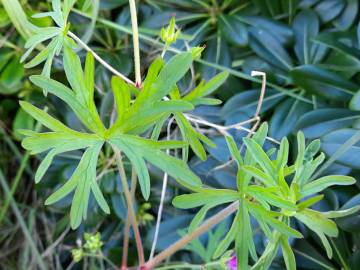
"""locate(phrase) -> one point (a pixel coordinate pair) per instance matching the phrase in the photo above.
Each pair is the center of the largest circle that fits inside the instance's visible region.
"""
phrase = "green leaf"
(307, 203)
(151, 76)
(269, 48)
(261, 193)
(287, 254)
(122, 97)
(268, 217)
(269, 253)
(40, 142)
(44, 165)
(355, 102)
(283, 153)
(221, 196)
(141, 170)
(260, 175)
(317, 222)
(169, 75)
(44, 118)
(342, 213)
(229, 238)
(192, 137)
(234, 151)
(22, 121)
(83, 181)
(68, 96)
(18, 18)
(136, 122)
(43, 34)
(99, 197)
(41, 56)
(200, 216)
(300, 150)
(208, 88)
(243, 237)
(324, 83)
(75, 75)
(343, 147)
(89, 76)
(233, 30)
(12, 74)
(320, 122)
(306, 27)
(324, 182)
(150, 151)
(260, 156)
(332, 41)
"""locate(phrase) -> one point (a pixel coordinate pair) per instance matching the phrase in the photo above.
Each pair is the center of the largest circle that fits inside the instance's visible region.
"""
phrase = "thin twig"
(97, 57)
(261, 98)
(162, 198)
(204, 227)
(223, 129)
(54, 244)
(131, 211)
(127, 224)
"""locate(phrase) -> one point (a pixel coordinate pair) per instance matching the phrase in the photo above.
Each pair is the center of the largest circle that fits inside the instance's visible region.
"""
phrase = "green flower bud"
(169, 35)
(77, 254)
(93, 242)
(196, 52)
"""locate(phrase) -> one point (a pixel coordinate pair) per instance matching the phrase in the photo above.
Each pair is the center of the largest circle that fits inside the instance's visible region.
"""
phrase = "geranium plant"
(271, 190)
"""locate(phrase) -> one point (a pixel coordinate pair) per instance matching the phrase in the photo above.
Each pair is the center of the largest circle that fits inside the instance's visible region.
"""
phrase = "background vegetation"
(310, 51)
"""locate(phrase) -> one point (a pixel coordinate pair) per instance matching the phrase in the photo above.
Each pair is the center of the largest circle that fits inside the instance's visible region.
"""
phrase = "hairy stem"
(127, 225)
(97, 57)
(131, 212)
(191, 236)
(135, 31)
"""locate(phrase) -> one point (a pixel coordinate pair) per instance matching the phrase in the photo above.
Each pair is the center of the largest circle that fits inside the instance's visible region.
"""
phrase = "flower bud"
(93, 242)
(169, 35)
(196, 51)
(77, 254)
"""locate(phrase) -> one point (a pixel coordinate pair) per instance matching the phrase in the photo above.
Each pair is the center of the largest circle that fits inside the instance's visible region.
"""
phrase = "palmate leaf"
(63, 139)
(133, 119)
(148, 107)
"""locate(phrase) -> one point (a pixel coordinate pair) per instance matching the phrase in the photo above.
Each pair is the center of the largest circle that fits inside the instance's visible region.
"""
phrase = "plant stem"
(22, 223)
(135, 31)
(14, 186)
(191, 236)
(127, 225)
(97, 57)
(162, 198)
(131, 212)
(17, 179)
